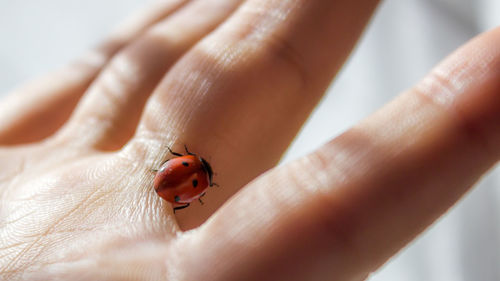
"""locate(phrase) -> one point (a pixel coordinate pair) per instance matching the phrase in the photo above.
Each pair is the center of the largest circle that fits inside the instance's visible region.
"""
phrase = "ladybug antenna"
(174, 153)
(187, 151)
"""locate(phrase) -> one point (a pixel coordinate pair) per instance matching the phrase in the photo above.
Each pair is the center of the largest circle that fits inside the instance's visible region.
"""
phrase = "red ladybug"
(183, 179)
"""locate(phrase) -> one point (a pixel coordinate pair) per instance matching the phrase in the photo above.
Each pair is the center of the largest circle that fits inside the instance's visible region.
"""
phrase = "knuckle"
(334, 221)
(441, 90)
(280, 48)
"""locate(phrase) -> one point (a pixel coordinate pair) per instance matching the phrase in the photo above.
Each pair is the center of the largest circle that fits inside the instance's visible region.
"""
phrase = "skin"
(76, 193)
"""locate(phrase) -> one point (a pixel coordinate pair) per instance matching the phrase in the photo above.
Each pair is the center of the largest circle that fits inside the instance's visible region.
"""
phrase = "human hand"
(77, 196)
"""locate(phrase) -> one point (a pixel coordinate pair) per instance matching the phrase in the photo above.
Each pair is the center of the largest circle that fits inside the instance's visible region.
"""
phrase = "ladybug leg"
(214, 184)
(181, 207)
(187, 151)
(199, 199)
(174, 153)
(163, 163)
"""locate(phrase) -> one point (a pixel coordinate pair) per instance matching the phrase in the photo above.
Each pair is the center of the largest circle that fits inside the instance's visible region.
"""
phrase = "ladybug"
(183, 179)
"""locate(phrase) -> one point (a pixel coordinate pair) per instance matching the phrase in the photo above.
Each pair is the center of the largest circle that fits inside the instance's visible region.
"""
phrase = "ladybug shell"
(182, 179)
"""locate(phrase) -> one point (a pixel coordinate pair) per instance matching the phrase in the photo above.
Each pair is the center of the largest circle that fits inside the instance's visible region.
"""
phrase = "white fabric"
(404, 41)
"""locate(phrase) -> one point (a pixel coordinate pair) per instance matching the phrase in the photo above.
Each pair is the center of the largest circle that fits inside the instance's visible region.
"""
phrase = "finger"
(240, 96)
(341, 212)
(38, 109)
(117, 97)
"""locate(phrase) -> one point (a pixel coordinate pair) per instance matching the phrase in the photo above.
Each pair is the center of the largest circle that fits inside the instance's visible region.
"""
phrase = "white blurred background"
(405, 39)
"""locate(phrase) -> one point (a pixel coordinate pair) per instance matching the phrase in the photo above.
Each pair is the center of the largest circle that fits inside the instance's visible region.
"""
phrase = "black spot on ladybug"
(177, 198)
(185, 163)
(195, 183)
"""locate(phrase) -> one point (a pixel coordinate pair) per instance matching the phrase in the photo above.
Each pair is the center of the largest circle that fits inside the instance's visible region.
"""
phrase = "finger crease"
(437, 90)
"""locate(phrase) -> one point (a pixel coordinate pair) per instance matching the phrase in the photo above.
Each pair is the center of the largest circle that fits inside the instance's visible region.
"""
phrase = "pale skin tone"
(234, 80)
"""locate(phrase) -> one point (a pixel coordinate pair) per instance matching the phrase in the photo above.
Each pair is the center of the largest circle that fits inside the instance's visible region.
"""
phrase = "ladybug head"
(208, 170)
